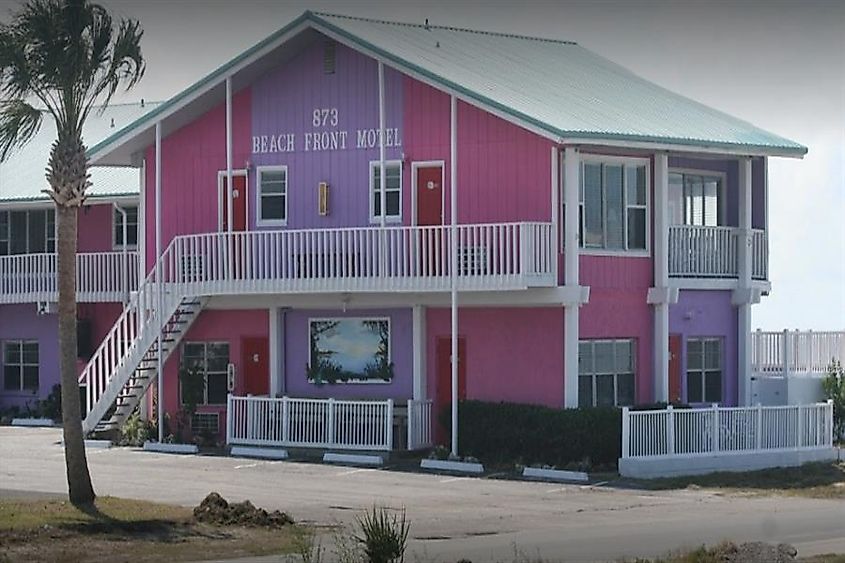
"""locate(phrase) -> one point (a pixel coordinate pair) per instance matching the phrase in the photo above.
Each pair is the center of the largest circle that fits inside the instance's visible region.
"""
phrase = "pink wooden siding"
(504, 171)
(513, 354)
(190, 160)
(95, 228)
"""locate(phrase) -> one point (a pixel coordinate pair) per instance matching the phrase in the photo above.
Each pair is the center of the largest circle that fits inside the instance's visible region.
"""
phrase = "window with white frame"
(606, 371)
(704, 370)
(700, 197)
(212, 359)
(31, 231)
(272, 195)
(613, 210)
(392, 190)
(131, 227)
(20, 365)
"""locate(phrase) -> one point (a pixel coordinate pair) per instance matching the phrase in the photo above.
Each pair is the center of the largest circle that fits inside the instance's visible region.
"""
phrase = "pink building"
(601, 239)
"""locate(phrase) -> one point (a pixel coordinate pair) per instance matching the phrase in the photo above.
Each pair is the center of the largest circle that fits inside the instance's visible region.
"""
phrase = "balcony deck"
(100, 277)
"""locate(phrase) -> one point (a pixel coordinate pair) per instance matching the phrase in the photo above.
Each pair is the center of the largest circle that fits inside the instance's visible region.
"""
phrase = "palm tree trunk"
(80, 490)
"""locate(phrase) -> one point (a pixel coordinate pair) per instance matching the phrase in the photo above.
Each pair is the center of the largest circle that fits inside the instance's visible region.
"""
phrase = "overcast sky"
(779, 65)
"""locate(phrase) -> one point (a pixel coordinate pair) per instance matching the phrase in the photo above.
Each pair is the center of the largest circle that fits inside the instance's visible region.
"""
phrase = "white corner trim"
(353, 459)
(455, 466)
(259, 453)
(555, 474)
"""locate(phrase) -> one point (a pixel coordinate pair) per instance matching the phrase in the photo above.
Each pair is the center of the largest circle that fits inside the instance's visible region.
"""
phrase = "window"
(392, 190)
(606, 373)
(613, 210)
(205, 424)
(272, 195)
(704, 370)
(20, 365)
(700, 196)
(27, 232)
(131, 227)
(212, 358)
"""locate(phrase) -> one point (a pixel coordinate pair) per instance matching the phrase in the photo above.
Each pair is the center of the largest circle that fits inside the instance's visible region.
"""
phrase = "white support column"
(142, 222)
(229, 191)
(555, 189)
(159, 289)
(419, 354)
(453, 251)
(571, 184)
(277, 357)
(381, 117)
(744, 305)
(661, 277)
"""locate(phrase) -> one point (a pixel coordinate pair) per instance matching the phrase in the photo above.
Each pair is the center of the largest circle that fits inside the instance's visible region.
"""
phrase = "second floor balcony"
(713, 252)
(100, 277)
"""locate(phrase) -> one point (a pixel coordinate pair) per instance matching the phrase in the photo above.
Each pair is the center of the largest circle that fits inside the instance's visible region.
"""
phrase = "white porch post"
(277, 351)
(555, 188)
(571, 184)
(661, 277)
(453, 251)
(229, 203)
(745, 295)
(419, 347)
(144, 405)
(159, 288)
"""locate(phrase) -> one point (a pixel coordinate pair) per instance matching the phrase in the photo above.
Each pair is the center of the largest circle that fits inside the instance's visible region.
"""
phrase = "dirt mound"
(215, 510)
(756, 552)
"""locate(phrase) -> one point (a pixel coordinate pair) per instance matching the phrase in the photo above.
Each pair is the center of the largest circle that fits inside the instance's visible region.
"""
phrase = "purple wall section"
(22, 322)
(297, 350)
(283, 103)
(708, 314)
(512, 354)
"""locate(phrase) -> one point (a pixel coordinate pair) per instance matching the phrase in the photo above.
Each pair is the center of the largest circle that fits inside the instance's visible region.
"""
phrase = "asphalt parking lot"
(452, 517)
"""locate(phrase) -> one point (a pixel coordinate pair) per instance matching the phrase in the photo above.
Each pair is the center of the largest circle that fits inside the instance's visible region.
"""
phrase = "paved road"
(452, 517)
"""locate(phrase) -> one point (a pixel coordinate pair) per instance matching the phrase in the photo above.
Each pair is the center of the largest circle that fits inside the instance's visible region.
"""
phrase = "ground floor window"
(20, 365)
(704, 370)
(212, 359)
(606, 371)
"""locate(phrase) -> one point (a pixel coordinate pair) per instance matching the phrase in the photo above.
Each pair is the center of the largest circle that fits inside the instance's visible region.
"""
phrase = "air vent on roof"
(329, 57)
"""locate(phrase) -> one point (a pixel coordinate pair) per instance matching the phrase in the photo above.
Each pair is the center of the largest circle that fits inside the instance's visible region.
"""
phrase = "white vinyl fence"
(420, 424)
(310, 423)
(690, 433)
(789, 353)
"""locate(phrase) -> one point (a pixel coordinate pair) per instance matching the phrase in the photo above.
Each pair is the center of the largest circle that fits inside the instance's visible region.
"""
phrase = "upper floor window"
(27, 232)
(131, 227)
(696, 199)
(20, 365)
(704, 370)
(606, 371)
(272, 195)
(392, 190)
(614, 205)
(212, 361)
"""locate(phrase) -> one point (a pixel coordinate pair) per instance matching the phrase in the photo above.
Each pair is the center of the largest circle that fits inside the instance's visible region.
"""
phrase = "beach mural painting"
(346, 350)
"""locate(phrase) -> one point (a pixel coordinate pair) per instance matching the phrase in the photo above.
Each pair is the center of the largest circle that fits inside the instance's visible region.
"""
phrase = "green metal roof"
(555, 87)
(22, 175)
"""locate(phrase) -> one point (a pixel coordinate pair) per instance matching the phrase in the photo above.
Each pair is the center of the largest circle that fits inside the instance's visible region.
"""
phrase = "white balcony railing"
(490, 256)
(100, 277)
(789, 353)
(713, 252)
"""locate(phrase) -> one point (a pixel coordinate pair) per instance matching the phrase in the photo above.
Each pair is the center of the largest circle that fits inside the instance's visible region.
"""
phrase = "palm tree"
(64, 58)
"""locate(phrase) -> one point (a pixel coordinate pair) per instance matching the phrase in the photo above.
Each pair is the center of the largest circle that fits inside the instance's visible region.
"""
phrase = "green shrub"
(507, 433)
(383, 537)
(51, 406)
(136, 431)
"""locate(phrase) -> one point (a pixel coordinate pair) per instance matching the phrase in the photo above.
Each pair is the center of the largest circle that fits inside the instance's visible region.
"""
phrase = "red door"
(444, 370)
(430, 195)
(255, 352)
(674, 368)
(239, 199)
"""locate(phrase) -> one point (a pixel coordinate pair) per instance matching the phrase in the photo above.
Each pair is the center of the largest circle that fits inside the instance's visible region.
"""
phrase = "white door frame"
(428, 164)
(221, 175)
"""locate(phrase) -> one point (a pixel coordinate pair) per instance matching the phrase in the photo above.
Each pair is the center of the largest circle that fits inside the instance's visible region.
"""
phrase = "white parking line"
(352, 471)
(452, 479)
(246, 465)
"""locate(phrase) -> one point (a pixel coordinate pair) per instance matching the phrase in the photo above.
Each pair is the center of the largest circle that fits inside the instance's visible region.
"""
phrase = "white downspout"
(453, 235)
(159, 288)
(125, 263)
(229, 203)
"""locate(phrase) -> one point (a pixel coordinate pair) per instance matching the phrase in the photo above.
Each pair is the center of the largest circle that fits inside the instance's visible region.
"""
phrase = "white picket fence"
(100, 277)
(310, 423)
(689, 433)
(420, 424)
(789, 353)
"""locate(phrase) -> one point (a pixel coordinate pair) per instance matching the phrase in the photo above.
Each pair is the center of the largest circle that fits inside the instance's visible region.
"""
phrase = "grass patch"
(126, 530)
(814, 480)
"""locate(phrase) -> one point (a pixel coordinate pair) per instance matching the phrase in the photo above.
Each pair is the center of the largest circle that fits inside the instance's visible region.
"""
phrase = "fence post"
(829, 421)
(717, 428)
(250, 415)
(230, 414)
(626, 432)
(786, 353)
(330, 434)
(410, 428)
(285, 421)
(389, 423)
(759, 427)
(798, 439)
(670, 430)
